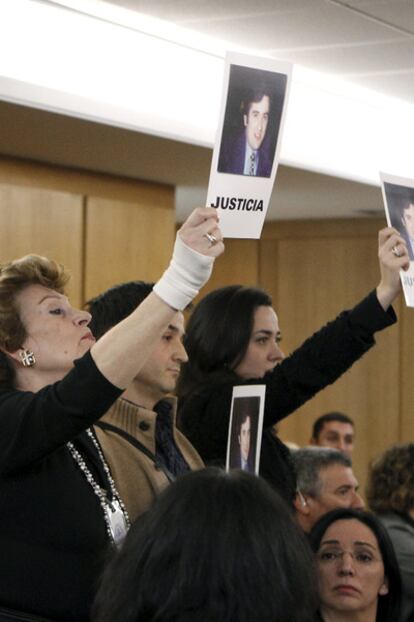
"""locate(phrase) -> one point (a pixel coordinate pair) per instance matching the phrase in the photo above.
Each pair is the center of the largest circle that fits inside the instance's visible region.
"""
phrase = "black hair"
(115, 304)
(326, 418)
(255, 94)
(388, 604)
(215, 546)
(218, 334)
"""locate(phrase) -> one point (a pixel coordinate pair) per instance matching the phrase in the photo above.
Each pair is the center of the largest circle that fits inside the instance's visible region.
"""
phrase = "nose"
(181, 353)
(276, 354)
(81, 318)
(358, 502)
(346, 565)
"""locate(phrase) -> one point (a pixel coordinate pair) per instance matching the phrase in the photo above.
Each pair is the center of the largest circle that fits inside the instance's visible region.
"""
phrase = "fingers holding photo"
(202, 233)
(392, 250)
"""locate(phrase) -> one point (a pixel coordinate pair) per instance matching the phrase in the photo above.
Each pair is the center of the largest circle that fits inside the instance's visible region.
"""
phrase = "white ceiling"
(369, 42)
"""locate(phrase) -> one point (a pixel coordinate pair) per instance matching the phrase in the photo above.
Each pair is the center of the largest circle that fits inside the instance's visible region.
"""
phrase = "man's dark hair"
(218, 334)
(115, 304)
(388, 604)
(214, 546)
(254, 95)
(326, 418)
(310, 461)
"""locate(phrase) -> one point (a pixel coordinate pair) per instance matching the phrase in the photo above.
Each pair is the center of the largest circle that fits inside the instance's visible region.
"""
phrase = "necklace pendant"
(116, 521)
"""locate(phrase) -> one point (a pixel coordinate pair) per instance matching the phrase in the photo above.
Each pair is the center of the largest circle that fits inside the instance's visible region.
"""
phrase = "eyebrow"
(348, 487)
(269, 333)
(356, 542)
(174, 329)
(56, 296)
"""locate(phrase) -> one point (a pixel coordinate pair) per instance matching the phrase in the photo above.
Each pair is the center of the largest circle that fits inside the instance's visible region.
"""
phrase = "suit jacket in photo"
(233, 153)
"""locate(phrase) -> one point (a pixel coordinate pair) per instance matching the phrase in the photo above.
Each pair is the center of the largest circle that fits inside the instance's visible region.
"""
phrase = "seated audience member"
(214, 547)
(61, 509)
(356, 567)
(390, 494)
(334, 429)
(143, 447)
(325, 481)
(233, 338)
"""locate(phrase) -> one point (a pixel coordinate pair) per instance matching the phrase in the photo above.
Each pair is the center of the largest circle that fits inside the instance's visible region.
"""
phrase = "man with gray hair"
(325, 481)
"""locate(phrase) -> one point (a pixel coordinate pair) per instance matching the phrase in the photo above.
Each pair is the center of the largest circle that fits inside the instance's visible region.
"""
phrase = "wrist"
(188, 271)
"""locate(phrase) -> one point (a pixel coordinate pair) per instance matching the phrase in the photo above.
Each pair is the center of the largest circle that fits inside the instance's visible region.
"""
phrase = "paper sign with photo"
(245, 428)
(398, 194)
(246, 153)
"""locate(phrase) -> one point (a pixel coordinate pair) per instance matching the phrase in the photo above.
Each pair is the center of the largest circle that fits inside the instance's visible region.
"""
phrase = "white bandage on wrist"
(186, 274)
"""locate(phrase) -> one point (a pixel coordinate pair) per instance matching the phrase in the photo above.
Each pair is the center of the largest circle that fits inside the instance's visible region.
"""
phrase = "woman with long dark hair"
(232, 338)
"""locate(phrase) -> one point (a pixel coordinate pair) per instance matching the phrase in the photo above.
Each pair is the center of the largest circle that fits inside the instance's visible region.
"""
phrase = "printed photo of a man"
(244, 434)
(252, 120)
(400, 202)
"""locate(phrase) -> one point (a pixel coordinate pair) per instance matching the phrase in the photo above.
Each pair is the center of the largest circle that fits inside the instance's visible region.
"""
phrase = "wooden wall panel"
(406, 375)
(312, 277)
(125, 241)
(44, 222)
(239, 264)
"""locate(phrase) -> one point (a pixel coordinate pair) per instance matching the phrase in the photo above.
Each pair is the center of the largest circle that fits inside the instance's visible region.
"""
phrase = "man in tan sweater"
(138, 435)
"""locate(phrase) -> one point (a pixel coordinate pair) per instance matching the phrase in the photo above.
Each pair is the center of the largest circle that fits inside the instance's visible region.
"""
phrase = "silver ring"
(395, 251)
(211, 238)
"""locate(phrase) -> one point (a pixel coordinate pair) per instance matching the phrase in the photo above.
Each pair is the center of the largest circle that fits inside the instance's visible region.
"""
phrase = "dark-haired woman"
(357, 571)
(60, 508)
(232, 338)
(214, 547)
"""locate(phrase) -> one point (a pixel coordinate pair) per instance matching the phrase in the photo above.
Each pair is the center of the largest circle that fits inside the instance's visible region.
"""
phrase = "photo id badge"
(116, 521)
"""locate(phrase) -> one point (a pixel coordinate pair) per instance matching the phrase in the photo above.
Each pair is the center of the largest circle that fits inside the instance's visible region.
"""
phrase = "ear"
(384, 588)
(16, 355)
(245, 120)
(301, 504)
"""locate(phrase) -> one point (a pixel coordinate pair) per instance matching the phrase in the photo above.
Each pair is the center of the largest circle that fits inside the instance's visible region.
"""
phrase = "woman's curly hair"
(391, 480)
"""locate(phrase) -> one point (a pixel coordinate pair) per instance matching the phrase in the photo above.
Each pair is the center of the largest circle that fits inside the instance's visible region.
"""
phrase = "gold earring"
(28, 358)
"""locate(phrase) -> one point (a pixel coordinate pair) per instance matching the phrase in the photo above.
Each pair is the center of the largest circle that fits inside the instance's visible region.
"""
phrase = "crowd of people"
(116, 503)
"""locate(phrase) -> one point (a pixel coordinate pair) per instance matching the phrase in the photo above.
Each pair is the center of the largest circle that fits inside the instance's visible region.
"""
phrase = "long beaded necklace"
(115, 514)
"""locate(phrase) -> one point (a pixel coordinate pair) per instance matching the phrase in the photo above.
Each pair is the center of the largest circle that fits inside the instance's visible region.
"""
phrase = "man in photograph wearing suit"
(244, 434)
(407, 219)
(248, 152)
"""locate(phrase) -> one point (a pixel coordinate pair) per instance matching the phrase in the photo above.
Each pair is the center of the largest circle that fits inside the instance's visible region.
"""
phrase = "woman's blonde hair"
(14, 277)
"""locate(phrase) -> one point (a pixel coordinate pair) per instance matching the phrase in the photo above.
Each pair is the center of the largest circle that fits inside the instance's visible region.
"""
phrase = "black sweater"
(52, 532)
(204, 414)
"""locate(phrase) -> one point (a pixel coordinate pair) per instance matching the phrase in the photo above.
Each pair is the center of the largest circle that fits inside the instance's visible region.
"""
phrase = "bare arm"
(389, 242)
(122, 351)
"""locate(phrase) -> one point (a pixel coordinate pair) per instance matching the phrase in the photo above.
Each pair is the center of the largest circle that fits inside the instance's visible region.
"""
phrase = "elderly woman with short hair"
(60, 507)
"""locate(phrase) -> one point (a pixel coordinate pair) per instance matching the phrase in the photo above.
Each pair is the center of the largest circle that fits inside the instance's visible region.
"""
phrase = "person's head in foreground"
(357, 571)
(334, 429)
(325, 481)
(215, 546)
(390, 485)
